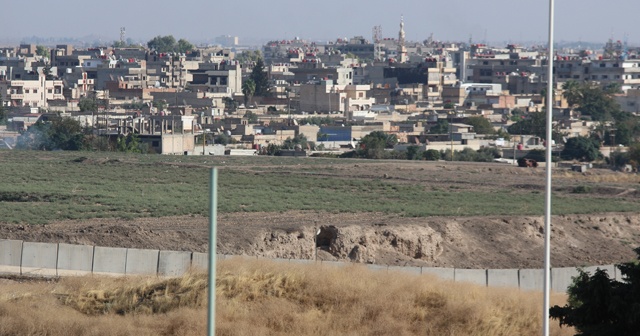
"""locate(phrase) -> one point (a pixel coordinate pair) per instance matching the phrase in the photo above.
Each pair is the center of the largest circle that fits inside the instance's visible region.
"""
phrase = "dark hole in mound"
(326, 237)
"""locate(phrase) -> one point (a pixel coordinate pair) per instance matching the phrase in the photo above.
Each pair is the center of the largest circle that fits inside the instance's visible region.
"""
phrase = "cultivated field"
(477, 215)
(263, 298)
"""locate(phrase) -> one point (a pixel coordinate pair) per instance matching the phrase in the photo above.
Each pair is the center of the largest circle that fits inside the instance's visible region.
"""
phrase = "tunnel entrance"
(327, 235)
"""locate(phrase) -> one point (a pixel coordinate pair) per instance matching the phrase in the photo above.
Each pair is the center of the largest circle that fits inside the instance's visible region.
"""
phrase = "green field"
(39, 187)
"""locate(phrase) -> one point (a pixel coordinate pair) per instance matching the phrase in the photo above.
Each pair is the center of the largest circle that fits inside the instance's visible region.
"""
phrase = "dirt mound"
(467, 242)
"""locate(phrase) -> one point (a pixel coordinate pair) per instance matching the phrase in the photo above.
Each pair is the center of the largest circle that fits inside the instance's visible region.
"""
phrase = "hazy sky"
(497, 20)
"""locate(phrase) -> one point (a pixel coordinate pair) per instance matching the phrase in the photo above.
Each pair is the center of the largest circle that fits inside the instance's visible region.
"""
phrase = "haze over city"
(252, 20)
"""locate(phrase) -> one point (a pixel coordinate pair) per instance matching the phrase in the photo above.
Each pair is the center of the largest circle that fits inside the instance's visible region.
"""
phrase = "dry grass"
(264, 298)
(612, 177)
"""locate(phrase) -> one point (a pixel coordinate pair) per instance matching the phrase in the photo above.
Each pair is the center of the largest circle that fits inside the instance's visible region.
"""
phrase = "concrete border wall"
(10, 256)
(44, 259)
(74, 259)
(531, 279)
(142, 262)
(39, 259)
(200, 261)
(475, 276)
(172, 263)
(109, 260)
(561, 278)
(503, 278)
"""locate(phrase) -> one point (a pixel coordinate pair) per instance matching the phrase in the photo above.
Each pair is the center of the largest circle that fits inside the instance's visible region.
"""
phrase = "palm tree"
(572, 92)
(248, 89)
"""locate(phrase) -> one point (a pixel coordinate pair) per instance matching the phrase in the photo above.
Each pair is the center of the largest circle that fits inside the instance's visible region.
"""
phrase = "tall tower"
(122, 35)
(402, 48)
(377, 37)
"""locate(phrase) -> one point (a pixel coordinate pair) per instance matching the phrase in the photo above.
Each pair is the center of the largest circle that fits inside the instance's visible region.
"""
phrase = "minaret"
(402, 49)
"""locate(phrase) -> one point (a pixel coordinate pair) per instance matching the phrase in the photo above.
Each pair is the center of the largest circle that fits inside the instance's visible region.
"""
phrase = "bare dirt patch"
(469, 242)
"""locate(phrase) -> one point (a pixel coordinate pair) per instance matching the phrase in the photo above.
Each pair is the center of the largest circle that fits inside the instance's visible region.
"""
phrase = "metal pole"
(514, 151)
(547, 201)
(213, 213)
(451, 139)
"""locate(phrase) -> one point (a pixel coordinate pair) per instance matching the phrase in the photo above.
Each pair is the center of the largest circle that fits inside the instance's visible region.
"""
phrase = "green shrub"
(431, 155)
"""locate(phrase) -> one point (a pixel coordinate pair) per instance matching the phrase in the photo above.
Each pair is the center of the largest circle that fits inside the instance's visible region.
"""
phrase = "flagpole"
(213, 228)
(547, 201)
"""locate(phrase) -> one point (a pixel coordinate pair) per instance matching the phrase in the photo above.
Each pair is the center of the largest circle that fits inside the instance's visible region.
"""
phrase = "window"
(26, 91)
(49, 91)
(485, 63)
(155, 143)
(603, 65)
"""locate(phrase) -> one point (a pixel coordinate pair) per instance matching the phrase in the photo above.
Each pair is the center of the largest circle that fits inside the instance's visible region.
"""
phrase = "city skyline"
(497, 20)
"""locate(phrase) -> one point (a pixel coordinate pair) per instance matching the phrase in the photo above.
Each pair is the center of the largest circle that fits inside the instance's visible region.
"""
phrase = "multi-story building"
(325, 97)
(315, 70)
(605, 71)
(31, 93)
(222, 78)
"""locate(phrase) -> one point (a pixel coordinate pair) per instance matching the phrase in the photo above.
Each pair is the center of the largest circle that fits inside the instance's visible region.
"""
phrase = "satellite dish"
(157, 84)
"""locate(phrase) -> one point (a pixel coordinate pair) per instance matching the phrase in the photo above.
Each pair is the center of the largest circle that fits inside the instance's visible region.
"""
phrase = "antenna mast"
(122, 34)
(377, 37)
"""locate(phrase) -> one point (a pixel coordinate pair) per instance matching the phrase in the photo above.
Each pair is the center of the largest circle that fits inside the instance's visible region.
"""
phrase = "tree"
(42, 51)
(230, 104)
(599, 305)
(572, 93)
(597, 102)
(166, 44)
(223, 139)
(119, 44)
(432, 155)
(160, 104)
(581, 148)
(319, 120)
(87, 104)
(129, 144)
(534, 124)
(481, 125)
(299, 141)
(184, 46)
(3, 111)
(248, 89)
(634, 155)
(372, 145)
(252, 118)
(517, 115)
(249, 56)
(162, 43)
(260, 78)
(414, 153)
(59, 133)
(442, 127)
